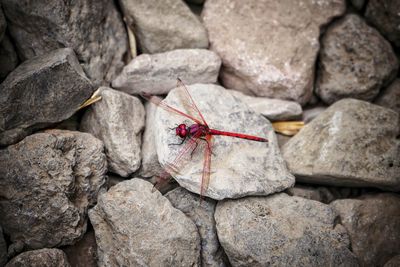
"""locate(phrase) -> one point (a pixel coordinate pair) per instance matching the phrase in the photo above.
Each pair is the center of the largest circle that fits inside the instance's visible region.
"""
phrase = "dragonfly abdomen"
(238, 135)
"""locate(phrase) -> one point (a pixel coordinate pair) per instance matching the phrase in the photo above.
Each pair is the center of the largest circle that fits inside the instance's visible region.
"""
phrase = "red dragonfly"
(193, 134)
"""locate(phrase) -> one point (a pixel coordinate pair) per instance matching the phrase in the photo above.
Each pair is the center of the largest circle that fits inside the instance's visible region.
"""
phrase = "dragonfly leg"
(178, 144)
(208, 144)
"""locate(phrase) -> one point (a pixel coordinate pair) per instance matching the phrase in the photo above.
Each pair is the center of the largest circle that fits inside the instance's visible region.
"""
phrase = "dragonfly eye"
(181, 130)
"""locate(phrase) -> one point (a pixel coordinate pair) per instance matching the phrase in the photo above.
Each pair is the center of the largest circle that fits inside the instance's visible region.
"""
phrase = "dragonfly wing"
(189, 103)
(161, 103)
(207, 166)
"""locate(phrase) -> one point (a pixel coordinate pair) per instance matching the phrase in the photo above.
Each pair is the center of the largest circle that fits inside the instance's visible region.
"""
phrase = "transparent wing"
(205, 180)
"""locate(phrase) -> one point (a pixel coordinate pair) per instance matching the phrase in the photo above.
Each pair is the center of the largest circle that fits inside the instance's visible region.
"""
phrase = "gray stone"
(163, 27)
(273, 109)
(117, 120)
(39, 92)
(280, 230)
(239, 167)
(344, 147)
(373, 224)
(312, 112)
(154, 233)
(282, 139)
(93, 29)
(46, 257)
(201, 212)
(384, 15)
(83, 252)
(150, 165)
(355, 61)
(269, 48)
(393, 262)
(8, 57)
(156, 74)
(3, 24)
(47, 182)
(390, 96)
(3, 249)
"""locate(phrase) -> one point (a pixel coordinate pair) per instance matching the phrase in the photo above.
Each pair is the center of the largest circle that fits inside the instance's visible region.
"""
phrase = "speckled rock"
(163, 27)
(269, 48)
(46, 257)
(8, 57)
(40, 92)
(344, 147)
(83, 252)
(280, 230)
(235, 162)
(384, 15)
(373, 224)
(92, 28)
(156, 74)
(47, 182)
(390, 96)
(153, 234)
(355, 61)
(273, 109)
(201, 212)
(117, 120)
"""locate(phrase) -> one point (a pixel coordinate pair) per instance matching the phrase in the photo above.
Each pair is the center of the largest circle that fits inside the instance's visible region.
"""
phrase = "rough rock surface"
(280, 230)
(269, 48)
(41, 91)
(92, 28)
(8, 57)
(83, 252)
(117, 120)
(153, 233)
(373, 224)
(163, 27)
(390, 96)
(156, 74)
(46, 257)
(273, 109)
(201, 212)
(47, 182)
(3, 249)
(3, 24)
(239, 167)
(150, 165)
(394, 262)
(352, 143)
(355, 61)
(384, 15)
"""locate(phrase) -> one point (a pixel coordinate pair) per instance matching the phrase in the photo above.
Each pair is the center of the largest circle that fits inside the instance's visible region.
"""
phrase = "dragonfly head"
(182, 131)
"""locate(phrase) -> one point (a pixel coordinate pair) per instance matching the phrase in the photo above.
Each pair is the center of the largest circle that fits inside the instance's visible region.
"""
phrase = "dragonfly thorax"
(184, 131)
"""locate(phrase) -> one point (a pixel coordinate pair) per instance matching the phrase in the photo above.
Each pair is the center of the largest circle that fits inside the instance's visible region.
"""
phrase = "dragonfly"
(191, 136)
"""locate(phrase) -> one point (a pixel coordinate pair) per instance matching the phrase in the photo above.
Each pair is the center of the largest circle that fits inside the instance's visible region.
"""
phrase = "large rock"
(83, 252)
(117, 120)
(344, 147)
(384, 15)
(234, 162)
(92, 28)
(373, 224)
(201, 212)
(279, 230)
(273, 109)
(3, 249)
(390, 96)
(8, 57)
(47, 182)
(393, 262)
(46, 257)
(39, 92)
(153, 234)
(3, 24)
(160, 27)
(156, 74)
(269, 48)
(355, 61)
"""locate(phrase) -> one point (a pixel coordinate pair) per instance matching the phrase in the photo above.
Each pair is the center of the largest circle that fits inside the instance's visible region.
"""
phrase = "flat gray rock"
(154, 233)
(355, 61)
(239, 167)
(373, 224)
(8, 57)
(269, 48)
(384, 15)
(165, 26)
(273, 109)
(46, 257)
(40, 92)
(280, 230)
(201, 212)
(344, 147)
(47, 182)
(117, 120)
(94, 30)
(156, 74)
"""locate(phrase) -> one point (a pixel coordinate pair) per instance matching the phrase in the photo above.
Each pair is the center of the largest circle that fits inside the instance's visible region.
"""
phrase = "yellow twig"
(289, 128)
(93, 99)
